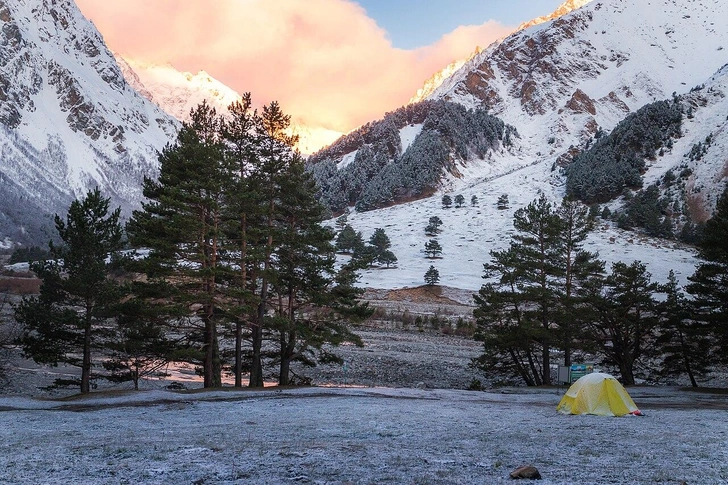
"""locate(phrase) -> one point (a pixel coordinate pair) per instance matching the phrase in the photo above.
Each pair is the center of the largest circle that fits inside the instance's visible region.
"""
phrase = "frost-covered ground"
(368, 436)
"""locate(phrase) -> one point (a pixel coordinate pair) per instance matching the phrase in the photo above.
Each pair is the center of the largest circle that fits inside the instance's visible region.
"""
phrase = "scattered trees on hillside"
(459, 200)
(446, 201)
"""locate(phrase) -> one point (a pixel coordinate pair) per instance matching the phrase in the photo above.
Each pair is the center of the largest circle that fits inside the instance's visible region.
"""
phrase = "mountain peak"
(436, 80)
(563, 9)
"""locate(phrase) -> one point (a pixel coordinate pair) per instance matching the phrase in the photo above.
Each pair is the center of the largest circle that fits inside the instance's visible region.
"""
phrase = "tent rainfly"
(599, 394)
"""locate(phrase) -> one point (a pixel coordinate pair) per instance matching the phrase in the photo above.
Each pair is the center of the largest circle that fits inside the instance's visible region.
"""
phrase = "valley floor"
(362, 436)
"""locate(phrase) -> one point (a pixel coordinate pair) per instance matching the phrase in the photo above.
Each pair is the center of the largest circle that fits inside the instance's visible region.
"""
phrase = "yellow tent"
(599, 394)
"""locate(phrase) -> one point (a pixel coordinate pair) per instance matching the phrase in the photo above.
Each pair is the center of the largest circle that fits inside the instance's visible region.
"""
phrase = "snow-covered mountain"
(68, 119)
(558, 82)
(436, 80)
(178, 92)
(561, 80)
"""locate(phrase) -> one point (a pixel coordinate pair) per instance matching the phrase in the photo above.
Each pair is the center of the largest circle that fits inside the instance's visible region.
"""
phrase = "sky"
(334, 64)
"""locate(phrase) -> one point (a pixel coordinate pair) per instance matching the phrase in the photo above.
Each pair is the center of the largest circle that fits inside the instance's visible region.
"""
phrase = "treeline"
(380, 174)
(546, 294)
(616, 161)
(234, 271)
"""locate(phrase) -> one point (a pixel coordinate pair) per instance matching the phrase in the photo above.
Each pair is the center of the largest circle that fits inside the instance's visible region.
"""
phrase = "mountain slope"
(68, 119)
(560, 83)
(437, 79)
(407, 155)
(561, 80)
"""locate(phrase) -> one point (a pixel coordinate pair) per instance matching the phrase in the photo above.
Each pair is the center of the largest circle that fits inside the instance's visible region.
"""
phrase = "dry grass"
(17, 285)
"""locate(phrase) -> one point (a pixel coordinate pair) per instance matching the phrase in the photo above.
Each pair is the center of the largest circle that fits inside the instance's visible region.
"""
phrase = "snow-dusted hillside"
(469, 233)
(178, 92)
(68, 119)
(561, 80)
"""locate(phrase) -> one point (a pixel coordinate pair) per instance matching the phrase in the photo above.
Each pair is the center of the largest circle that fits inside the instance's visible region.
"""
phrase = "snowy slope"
(557, 82)
(470, 233)
(68, 121)
(436, 80)
(561, 80)
(178, 92)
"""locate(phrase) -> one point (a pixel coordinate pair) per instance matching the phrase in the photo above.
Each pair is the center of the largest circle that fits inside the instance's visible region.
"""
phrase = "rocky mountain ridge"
(68, 120)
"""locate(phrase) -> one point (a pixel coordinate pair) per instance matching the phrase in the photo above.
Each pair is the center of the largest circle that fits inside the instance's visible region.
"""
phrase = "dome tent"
(599, 394)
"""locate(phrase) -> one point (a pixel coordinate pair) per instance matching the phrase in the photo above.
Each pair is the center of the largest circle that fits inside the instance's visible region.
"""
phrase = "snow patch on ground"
(346, 160)
(408, 134)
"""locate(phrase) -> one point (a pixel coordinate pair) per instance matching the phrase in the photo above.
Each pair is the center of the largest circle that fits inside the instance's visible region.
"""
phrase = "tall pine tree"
(181, 226)
(68, 322)
(709, 284)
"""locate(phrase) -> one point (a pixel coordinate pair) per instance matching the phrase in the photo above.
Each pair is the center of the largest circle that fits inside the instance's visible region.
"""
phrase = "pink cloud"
(325, 61)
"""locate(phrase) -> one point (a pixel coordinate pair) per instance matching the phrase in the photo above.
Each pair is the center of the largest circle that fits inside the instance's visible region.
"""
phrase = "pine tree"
(446, 201)
(432, 276)
(380, 241)
(433, 226)
(276, 158)
(502, 202)
(142, 347)
(181, 225)
(303, 275)
(348, 240)
(241, 132)
(579, 271)
(709, 284)
(68, 322)
(474, 200)
(626, 318)
(527, 290)
(341, 221)
(459, 200)
(509, 339)
(433, 248)
(387, 258)
(682, 340)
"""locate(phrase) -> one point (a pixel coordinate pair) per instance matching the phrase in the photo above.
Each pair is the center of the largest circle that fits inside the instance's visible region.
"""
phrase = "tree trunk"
(284, 376)
(627, 372)
(686, 359)
(243, 282)
(86, 366)
(238, 354)
(256, 370)
(256, 366)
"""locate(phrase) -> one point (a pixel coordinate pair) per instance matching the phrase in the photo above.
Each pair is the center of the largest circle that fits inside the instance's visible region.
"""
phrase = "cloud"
(325, 61)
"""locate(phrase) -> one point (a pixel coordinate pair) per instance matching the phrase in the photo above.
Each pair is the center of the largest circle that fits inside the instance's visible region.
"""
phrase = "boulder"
(526, 471)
